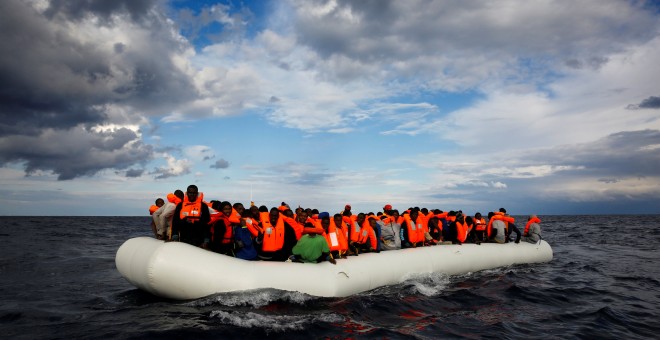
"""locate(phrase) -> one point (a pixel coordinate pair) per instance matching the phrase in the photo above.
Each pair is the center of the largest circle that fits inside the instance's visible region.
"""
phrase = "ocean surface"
(58, 280)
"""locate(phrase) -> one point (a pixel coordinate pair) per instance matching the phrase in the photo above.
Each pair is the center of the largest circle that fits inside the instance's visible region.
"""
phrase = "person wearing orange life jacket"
(222, 229)
(511, 228)
(367, 240)
(163, 216)
(278, 238)
(152, 209)
(337, 224)
(242, 232)
(496, 229)
(333, 235)
(480, 227)
(353, 231)
(532, 233)
(459, 230)
(190, 223)
(412, 229)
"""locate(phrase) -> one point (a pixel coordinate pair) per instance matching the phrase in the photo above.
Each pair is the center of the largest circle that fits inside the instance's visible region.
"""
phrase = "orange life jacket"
(173, 199)
(367, 233)
(480, 224)
(153, 208)
(529, 223)
(335, 238)
(501, 217)
(353, 229)
(415, 229)
(191, 211)
(298, 228)
(253, 226)
(273, 235)
(462, 231)
(230, 221)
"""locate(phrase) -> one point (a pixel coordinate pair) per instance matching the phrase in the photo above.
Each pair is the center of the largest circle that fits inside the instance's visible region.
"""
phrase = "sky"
(546, 107)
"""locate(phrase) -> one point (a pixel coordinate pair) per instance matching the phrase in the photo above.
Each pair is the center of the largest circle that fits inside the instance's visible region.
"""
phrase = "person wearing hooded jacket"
(163, 216)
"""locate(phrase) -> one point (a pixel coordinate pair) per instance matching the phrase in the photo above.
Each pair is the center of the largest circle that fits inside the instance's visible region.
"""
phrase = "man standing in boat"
(190, 223)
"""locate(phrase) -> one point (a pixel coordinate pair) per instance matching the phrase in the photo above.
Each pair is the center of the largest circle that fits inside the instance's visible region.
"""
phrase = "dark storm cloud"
(103, 9)
(56, 81)
(418, 34)
(220, 164)
(76, 152)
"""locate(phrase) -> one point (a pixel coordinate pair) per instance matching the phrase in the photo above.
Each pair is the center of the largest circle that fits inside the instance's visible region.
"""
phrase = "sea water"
(58, 280)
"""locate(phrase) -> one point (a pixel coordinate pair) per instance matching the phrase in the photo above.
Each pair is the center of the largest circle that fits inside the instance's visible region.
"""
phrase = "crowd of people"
(307, 235)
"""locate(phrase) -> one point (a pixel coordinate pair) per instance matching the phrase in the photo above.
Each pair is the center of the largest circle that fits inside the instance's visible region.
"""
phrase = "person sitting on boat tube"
(278, 238)
(333, 234)
(152, 209)
(366, 240)
(390, 236)
(312, 248)
(190, 223)
(412, 229)
(496, 229)
(510, 227)
(163, 216)
(532, 233)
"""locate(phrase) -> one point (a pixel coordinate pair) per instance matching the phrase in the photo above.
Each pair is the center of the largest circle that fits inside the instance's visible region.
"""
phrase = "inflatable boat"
(180, 271)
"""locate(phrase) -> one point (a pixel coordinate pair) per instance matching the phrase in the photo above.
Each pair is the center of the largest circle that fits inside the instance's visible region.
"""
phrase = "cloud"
(68, 67)
(651, 102)
(220, 164)
(76, 152)
(174, 168)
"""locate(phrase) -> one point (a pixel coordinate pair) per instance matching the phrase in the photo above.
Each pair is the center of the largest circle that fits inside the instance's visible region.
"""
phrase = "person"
(222, 229)
(278, 237)
(341, 229)
(511, 228)
(532, 233)
(152, 209)
(480, 227)
(163, 216)
(190, 223)
(390, 230)
(243, 244)
(312, 248)
(496, 229)
(412, 229)
(435, 229)
(366, 238)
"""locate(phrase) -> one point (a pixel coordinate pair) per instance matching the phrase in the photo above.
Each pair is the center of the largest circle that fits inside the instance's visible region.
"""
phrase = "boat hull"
(180, 271)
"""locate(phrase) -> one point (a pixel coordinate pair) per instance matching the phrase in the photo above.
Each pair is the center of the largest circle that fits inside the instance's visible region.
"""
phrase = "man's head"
(192, 192)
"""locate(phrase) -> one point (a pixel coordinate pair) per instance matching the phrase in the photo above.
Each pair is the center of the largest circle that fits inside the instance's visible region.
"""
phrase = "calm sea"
(58, 280)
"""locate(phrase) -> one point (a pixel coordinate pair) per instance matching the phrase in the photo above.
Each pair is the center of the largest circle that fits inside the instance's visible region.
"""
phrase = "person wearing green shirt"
(312, 248)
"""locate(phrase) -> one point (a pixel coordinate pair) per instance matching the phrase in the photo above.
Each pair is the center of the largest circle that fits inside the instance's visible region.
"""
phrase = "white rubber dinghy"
(180, 271)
